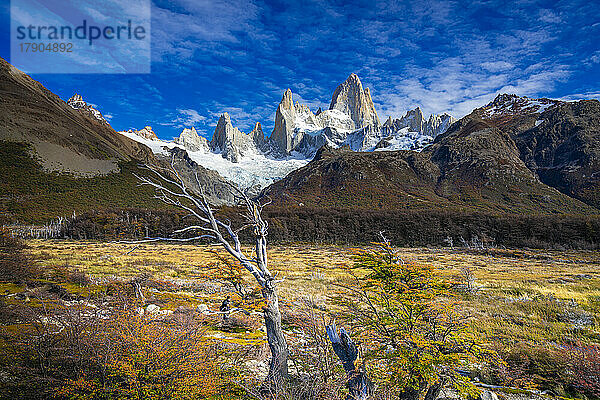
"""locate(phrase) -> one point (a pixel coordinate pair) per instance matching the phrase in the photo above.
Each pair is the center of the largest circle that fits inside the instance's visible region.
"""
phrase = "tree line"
(342, 226)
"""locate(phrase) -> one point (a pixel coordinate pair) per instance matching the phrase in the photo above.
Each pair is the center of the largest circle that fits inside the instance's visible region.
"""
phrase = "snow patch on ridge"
(253, 169)
(506, 104)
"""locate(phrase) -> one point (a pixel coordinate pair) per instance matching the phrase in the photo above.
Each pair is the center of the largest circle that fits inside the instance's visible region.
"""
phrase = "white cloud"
(187, 118)
(457, 87)
(581, 96)
(497, 66)
(191, 25)
(549, 16)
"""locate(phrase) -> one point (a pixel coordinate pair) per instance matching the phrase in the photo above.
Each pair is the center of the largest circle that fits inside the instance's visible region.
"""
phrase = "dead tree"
(171, 189)
(359, 386)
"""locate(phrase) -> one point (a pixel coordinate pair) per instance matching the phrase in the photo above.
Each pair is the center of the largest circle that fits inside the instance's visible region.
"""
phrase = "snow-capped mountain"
(191, 141)
(254, 169)
(77, 102)
(146, 133)
(253, 160)
(511, 105)
(351, 120)
(232, 143)
(412, 131)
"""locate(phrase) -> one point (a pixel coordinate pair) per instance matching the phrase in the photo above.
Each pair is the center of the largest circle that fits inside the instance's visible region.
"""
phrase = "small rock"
(152, 308)
(202, 308)
(487, 395)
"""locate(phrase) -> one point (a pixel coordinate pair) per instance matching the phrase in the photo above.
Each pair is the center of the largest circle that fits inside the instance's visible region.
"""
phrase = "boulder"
(152, 309)
(203, 309)
(487, 395)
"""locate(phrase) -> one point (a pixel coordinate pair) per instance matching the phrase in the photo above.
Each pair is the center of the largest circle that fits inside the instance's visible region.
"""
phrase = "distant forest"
(403, 228)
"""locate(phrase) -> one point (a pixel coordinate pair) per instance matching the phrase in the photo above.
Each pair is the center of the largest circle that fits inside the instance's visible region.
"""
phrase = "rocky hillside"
(558, 141)
(63, 157)
(65, 138)
(490, 160)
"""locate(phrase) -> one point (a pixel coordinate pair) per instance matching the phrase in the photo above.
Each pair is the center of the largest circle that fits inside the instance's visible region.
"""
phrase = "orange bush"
(138, 358)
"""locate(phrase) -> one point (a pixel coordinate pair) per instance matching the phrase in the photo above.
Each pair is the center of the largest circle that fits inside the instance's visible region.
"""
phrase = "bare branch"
(174, 192)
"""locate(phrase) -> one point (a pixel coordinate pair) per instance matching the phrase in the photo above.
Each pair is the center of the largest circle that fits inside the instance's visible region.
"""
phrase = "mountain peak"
(229, 140)
(351, 99)
(190, 139)
(503, 98)
(76, 101)
(258, 137)
(354, 79)
(287, 101)
(511, 104)
(146, 133)
(283, 131)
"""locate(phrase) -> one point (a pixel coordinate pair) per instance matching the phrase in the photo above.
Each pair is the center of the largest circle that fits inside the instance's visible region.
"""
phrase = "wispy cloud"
(238, 56)
(189, 117)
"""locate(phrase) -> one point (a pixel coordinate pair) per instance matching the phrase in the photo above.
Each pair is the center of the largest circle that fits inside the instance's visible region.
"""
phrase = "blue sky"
(239, 56)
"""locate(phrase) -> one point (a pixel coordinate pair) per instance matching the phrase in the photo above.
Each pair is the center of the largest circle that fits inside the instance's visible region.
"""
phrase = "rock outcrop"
(351, 99)
(77, 102)
(215, 188)
(437, 124)
(146, 133)
(282, 136)
(229, 140)
(258, 137)
(190, 139)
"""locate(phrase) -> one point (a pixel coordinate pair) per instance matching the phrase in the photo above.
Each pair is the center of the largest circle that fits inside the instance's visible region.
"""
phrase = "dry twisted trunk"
(175, 192)
(359, 385)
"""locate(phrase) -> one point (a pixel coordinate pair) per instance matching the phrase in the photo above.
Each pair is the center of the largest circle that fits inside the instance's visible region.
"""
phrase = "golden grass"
(508, 278)
(307, 270)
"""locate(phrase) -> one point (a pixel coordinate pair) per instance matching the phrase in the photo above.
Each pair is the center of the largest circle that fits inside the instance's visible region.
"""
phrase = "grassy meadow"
(308, 270)
(526, 304)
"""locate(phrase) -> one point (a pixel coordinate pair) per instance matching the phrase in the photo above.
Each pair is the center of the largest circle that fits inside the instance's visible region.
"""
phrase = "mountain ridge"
(513, 155)
(482, 162)
(65, 138)
(350, 120)
(298, 133)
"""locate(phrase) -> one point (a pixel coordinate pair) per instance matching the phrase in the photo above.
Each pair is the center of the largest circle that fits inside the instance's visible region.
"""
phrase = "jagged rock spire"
(228, 139)
(190, 139)
(258, 137)
(76, 101)
(351, 99)
(283, 132)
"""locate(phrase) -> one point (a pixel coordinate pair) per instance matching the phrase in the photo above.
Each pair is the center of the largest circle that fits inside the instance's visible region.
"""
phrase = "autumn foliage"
(112, 352)
(144, 359)
(413, 337)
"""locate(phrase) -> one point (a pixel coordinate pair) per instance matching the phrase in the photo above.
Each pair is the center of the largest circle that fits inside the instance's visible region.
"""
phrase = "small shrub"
(16, 265)
(584, 366)
(80, 278)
